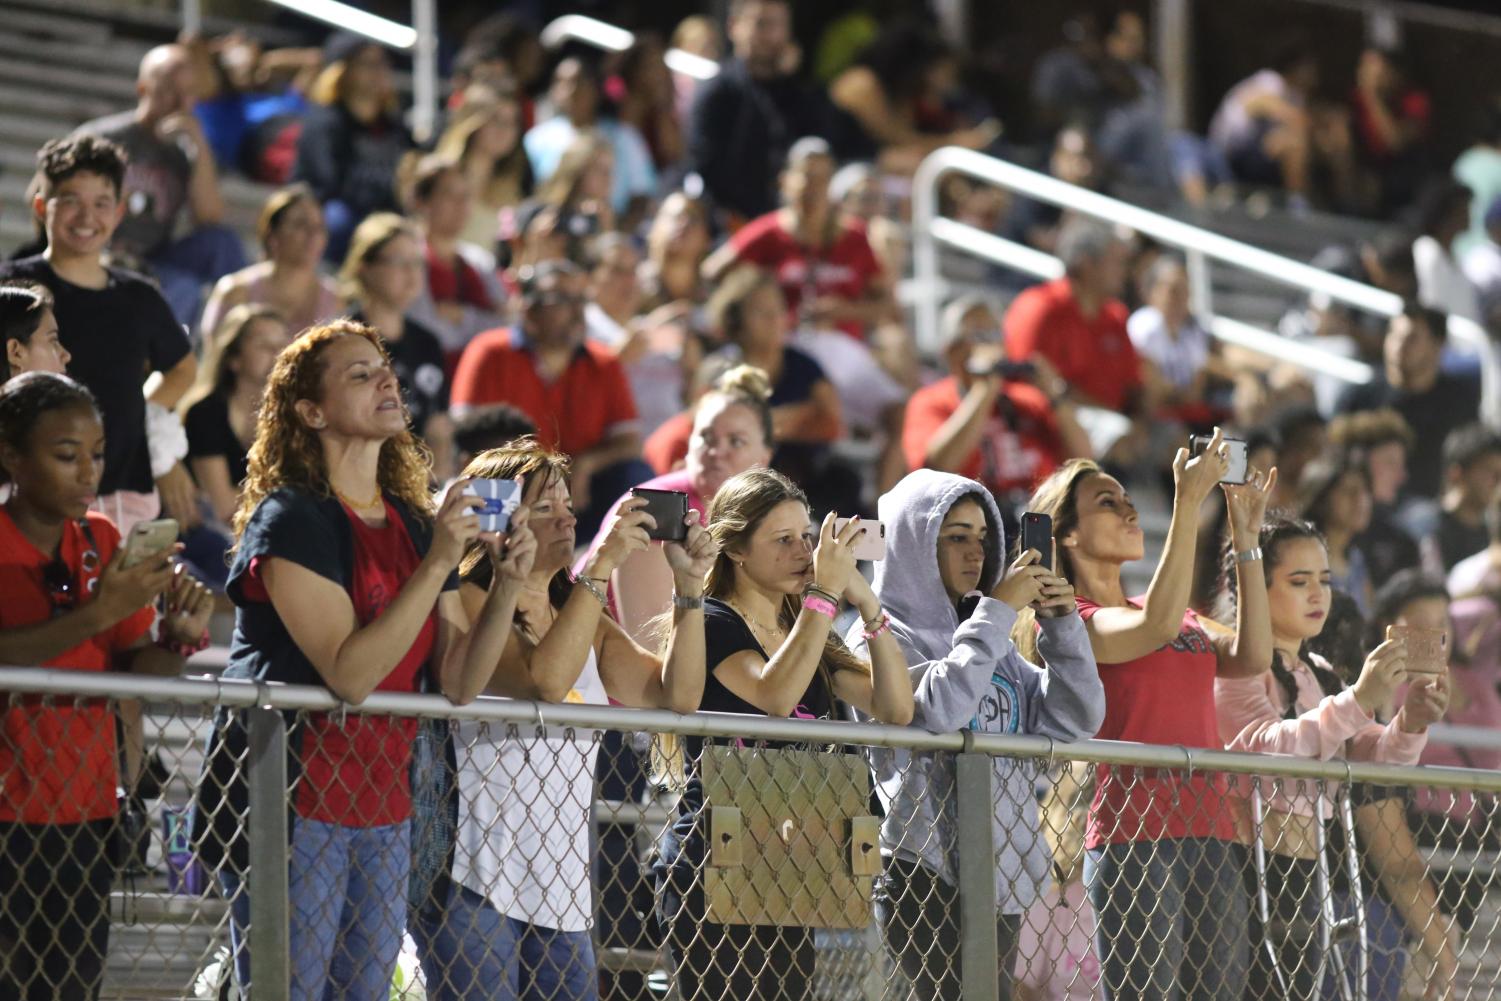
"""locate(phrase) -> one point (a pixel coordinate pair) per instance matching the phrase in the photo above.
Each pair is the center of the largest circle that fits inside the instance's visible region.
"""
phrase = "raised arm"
(469, 648)
(886, 692)
(1248, 651)
(1124, 634)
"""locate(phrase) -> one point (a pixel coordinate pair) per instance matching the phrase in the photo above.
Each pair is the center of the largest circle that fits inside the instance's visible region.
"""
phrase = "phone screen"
(1239, 457)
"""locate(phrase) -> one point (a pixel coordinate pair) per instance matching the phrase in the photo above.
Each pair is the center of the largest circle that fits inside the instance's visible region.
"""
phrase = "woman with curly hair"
(343, 576)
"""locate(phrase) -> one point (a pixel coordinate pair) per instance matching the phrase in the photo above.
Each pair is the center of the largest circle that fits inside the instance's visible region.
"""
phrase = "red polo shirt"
(1018, 448)
(573, 414)
(844, 269)
(1094, 355)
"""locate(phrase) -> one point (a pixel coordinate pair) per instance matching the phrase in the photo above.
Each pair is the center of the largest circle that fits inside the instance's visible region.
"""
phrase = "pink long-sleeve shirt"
(1252, 714)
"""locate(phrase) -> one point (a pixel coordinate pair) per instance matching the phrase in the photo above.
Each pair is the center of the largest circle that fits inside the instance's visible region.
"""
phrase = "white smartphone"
(148, 539)
(870, 544)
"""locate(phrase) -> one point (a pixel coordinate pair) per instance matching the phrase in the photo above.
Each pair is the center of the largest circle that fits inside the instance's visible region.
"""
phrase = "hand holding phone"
(1037, 533)
(149, 539)
(870, 544)
(1238, 452)
(501, 497)
(1427, 649)
(669, 509)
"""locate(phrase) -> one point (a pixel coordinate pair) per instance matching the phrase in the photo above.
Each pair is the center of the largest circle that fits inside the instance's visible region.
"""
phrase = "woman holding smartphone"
(1158, 662)
(511, 921)
(343, 577)
(952, 613)
(1301, 707)
(69, 603)
(771, 651)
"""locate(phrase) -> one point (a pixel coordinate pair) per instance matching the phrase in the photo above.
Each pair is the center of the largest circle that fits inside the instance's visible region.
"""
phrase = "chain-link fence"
(263, 842)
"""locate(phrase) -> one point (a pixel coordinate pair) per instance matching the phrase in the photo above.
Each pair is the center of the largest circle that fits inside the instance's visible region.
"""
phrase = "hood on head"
(907, 580)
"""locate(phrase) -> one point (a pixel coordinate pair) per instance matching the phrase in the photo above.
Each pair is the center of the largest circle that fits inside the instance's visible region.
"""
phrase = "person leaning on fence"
(768, 627)
(1301, 707)
(1158, 662)
(68, 602)
(511, 919)
(952, 612)
(343, 577)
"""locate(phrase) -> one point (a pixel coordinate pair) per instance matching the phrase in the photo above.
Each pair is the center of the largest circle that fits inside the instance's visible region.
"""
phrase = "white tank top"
(525, 804)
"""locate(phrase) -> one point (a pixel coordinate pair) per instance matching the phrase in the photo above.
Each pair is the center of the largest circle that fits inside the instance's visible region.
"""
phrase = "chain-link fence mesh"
(461, 858)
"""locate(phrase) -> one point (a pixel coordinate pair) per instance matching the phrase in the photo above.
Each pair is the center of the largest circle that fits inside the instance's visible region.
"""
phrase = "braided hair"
(1276, 532)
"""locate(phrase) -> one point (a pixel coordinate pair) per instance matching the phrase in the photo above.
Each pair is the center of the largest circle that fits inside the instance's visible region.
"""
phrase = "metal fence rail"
(815, 859)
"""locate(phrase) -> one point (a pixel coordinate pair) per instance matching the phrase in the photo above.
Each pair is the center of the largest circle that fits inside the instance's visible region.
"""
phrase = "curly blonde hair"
(287, 453)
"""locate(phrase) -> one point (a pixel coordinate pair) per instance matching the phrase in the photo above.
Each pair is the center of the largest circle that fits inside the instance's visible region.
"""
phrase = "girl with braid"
(1301, 707)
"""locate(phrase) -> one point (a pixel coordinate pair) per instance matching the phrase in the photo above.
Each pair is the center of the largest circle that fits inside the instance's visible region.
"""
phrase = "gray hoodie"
(970, 676)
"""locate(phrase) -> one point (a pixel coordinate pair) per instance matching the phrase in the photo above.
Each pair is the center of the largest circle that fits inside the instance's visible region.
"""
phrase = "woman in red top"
(66, 602)
(1163, 870)
(344, 576)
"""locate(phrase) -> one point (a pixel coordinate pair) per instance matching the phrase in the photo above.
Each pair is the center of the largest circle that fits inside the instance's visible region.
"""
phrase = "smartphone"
(1239, 457)
(1427, 649)
(1037, 533)
(870, 544)
(1011, 371)
(501, 497)
(670, 509)
(148, 539)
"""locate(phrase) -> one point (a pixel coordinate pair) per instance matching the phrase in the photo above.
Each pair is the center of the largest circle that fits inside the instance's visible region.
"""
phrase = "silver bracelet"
(687, 604)
(592, 588)
(1249, 556)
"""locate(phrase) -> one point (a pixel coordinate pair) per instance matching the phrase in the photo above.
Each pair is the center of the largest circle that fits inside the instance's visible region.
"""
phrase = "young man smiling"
(116, 326)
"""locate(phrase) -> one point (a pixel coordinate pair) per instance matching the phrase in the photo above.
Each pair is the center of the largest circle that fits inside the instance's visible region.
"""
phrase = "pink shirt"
(1251, 715)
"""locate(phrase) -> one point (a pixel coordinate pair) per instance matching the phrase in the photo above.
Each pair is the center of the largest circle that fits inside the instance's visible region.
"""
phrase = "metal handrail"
(246, 694)
(420, 38)
(1200, 246)
(591, 31)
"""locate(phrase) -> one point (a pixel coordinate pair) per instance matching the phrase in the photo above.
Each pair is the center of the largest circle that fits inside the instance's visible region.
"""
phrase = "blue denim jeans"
(472, 952)
(1172, 919)
(347, 894)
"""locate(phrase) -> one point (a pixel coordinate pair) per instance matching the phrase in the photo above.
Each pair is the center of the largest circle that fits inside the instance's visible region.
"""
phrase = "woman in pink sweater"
(1300, 707)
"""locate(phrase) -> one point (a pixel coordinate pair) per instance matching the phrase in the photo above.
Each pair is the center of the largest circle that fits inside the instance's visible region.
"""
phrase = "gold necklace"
(377, 500)
(760, 629)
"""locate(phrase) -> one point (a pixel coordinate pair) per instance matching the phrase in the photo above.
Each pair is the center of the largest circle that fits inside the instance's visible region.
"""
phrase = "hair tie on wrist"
(882, 627)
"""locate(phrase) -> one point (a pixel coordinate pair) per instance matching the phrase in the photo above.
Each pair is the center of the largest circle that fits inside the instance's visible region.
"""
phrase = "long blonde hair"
(288, 453)
(1058, 497)
(222, 347)
(735, 513)
(562, 188)
(510, 178)
(369, 239)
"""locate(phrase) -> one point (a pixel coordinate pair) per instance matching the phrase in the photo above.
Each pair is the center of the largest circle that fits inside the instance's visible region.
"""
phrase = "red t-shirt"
(1412, 107)
(355, 772)
(1094, 355)
(591, 399)
(1018, 448)
(845, 269)
(1166, 697)
(57, 763)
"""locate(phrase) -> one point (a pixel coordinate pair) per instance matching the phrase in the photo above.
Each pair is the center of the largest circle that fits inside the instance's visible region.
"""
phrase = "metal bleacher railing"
(171, 927)
(1201, 248)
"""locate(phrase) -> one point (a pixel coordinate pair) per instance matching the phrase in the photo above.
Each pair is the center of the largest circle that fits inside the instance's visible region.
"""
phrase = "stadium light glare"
(342, 15)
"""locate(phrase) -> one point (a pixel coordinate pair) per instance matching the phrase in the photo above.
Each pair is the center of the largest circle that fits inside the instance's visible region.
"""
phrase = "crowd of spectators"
(669, 282)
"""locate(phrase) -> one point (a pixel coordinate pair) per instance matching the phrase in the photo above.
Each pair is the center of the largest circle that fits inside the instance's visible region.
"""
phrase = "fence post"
(266, 827)
(978, 962)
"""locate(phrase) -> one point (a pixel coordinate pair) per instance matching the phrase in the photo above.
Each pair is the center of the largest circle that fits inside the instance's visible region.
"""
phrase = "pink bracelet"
(884, 627)
(822, 606)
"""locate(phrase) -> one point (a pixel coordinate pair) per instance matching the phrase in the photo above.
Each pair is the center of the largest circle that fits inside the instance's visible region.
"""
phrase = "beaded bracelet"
(822, 606)
(184, 650)
(884, 626)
